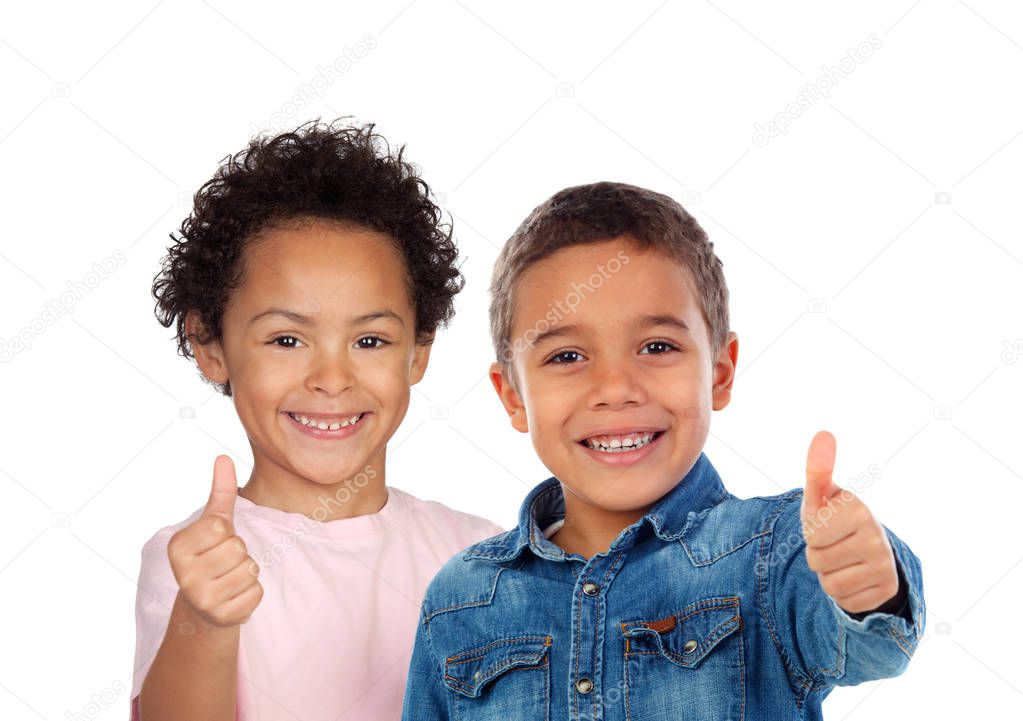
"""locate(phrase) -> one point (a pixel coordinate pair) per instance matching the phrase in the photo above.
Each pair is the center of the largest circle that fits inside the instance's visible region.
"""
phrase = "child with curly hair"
(307, 284)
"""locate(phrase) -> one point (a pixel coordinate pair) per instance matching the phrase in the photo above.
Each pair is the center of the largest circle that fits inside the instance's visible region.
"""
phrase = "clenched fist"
(845, 545)
(217, 578)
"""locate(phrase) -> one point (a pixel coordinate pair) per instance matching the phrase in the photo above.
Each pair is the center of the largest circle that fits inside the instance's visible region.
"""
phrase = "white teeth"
(620, 444)
(324, 426)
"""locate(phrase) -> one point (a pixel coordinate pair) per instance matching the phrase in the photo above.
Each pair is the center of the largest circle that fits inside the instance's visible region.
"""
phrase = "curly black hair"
(337, 172)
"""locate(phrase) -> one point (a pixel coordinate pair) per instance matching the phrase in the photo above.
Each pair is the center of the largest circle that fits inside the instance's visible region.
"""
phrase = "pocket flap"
(468, 671)
(686, 637)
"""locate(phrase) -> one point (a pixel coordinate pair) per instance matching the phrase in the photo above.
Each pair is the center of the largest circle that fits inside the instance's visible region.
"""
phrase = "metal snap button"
(477, 676)
(590, 588)
(584, 685)
(689, 646)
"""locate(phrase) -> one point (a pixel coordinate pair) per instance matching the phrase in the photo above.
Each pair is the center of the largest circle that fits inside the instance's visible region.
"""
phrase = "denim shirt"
(705, 608)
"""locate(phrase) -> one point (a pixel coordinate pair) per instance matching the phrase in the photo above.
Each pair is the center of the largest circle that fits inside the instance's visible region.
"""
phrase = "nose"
(616, 383)
(330, 372)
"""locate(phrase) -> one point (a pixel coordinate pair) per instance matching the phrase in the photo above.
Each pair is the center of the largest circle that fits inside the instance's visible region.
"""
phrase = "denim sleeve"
(822, 644)
(425, 699)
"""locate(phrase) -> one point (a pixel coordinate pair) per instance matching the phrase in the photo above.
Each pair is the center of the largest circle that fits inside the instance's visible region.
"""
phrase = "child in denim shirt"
(634, 585)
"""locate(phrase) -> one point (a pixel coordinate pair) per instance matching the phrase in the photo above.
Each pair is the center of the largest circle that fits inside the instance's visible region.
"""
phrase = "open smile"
(621, 448)
(327, 428)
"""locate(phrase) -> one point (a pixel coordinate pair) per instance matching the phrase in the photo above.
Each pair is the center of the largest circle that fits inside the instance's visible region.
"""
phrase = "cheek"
(265, 377)
(545, 413)
(397, 393)
(690, 384)
(387, 378)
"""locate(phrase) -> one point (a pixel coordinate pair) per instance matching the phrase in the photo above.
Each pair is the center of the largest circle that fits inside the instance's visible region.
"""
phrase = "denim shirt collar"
(669, 517)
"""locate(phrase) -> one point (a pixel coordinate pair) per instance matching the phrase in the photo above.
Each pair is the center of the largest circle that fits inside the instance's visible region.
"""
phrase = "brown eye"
(285, 338)
(565, 357)
(371, 342)
(658, 347)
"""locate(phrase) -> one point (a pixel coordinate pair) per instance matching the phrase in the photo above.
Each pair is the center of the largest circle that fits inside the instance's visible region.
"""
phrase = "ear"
(724, 371)
(420, 359)
(209, 356)
(510, 398)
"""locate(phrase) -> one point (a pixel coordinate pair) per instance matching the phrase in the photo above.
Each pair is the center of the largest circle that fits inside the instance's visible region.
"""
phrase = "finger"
(222, 558)
(849, 581)
(236, 610)
(834, 557)
(866, 599)
(235, 581)
(820, 466)
(224, 490)
(199, 537)
(241, 606)
(844, 516)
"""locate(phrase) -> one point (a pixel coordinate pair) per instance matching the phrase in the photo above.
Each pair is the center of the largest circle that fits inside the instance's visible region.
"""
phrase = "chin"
(613, 499)
(330, 475)
(637, 494)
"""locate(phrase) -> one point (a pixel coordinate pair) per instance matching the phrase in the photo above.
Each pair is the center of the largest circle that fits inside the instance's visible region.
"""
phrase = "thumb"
(820, 465)
(224, 490)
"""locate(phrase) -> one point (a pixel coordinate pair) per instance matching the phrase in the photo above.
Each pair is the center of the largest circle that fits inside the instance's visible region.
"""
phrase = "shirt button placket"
(589, 607)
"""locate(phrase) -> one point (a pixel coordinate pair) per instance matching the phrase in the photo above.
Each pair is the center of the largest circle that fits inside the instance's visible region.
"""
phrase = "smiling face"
(319, 347)
(616, 393)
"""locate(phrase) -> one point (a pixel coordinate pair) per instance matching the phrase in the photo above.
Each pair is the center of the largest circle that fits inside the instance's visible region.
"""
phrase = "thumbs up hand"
(216, 576)
(845, 545)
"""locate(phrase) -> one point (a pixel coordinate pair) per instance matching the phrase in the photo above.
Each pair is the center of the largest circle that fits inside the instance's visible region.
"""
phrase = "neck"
(589, 529)
(276, 487)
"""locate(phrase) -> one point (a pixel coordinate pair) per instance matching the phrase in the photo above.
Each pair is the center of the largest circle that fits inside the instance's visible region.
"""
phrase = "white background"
(865, 302)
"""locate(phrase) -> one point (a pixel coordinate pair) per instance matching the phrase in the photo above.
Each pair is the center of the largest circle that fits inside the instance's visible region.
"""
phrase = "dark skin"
(347, 349)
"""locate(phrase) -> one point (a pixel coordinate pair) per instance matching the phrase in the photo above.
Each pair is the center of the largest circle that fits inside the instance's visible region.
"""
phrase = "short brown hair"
(598, 212)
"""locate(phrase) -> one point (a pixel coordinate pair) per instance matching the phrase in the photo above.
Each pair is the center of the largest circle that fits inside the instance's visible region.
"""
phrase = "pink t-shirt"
(332, 636)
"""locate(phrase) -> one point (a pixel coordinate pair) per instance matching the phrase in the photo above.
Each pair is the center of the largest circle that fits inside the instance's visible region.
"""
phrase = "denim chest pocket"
(508, 678)
(687, 665)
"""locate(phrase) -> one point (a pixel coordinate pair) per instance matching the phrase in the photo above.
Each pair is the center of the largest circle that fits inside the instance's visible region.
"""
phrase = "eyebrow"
(669, 320)
(556, 332)
(383, 314)
(289, 314)
(306, 320)
(646, 321)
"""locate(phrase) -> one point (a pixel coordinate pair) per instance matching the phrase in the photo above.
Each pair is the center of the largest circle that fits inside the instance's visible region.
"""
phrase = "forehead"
(325, 262)
(609, 281)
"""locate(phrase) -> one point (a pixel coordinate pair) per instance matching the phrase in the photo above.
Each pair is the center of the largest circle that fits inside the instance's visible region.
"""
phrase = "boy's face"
(347, 353)
(617, 393)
